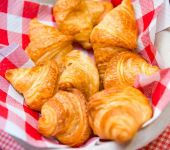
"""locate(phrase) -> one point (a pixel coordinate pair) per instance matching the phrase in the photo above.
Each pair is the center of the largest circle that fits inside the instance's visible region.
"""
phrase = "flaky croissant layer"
(37, 84)
(79, 72)
(124, 67)
(118, 113)
(118, 27)
(117, 31)
(77, 18)
(65, 117)
(47, 43)
(103, 55)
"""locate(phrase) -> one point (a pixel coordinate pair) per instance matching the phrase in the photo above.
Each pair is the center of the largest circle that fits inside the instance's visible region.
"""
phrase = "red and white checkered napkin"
(16, 118)
(8, 143)
(161, 143)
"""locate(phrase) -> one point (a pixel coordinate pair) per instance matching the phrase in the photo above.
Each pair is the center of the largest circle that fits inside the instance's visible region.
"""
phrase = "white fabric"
(162, 43)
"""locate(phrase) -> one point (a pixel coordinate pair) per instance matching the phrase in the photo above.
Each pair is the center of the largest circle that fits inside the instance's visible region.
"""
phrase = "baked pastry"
(65, 117)
(73, 18)
(98, 9)
(79, 72)
(102, 57)
(77, 18)
(37, 84)
(116, 32)
(124, 67)
(117, 113)
(47, 43)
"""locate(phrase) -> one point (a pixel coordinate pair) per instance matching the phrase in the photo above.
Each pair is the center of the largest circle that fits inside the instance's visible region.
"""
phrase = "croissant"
(117, 113)
(77, 18)
(65, 117)
(102, 57)
(47, 43)
(80, 72)
(124, 67)
(98, 9)
(116, 32)
(37, 84)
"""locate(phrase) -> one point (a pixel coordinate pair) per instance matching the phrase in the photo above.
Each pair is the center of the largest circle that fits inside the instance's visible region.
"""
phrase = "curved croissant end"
(118, 113)
(65, 117)
(37, 84)
(80, 72)
(124, 67)
(47, 43)
(52, 118)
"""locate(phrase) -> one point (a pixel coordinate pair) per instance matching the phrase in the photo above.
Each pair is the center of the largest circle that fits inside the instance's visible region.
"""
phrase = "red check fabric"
(160, 143)
(15, 16)
(15, 117)
(8, 143)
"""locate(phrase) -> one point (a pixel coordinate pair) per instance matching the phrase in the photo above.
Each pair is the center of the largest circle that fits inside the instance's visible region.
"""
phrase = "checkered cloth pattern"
(8, 143)
(15, 117)
(160, 143)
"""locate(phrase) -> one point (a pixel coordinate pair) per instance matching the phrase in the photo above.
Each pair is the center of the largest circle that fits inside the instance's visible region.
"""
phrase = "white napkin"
(164, 17)
(162, 43)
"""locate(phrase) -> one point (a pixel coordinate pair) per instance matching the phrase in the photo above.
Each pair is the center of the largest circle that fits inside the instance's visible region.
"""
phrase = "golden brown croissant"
(117, 113)
(77, 18)
(65, 117)
(124, 67)
(116, 32)
(37, 84)
(98, 9)
(102, 56)
(47, 43)
(80, 72)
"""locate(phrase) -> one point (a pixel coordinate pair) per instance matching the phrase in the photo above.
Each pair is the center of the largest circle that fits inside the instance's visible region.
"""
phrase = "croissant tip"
(46, 126)
(34, 20)
(34, 23)
(86, 45)
(27, 50)
(42, 130)
(65, 86)
(8, 74)
(126, 2)
(30, 105)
